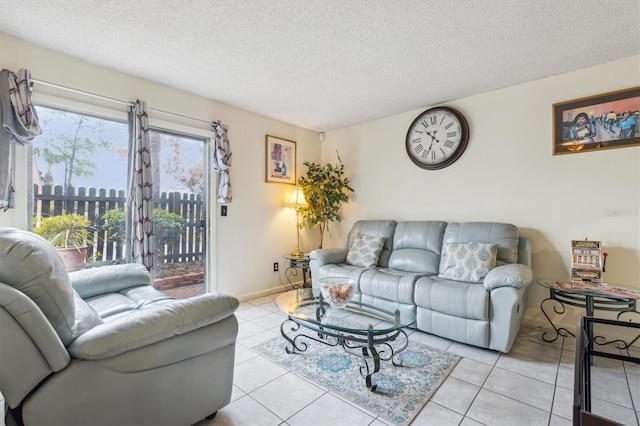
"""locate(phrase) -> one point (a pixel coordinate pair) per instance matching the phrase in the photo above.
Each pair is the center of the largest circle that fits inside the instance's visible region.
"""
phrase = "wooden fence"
(94, 203)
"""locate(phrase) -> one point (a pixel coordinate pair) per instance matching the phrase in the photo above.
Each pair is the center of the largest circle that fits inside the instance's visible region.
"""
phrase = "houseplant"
(326, 189)
(70, 235)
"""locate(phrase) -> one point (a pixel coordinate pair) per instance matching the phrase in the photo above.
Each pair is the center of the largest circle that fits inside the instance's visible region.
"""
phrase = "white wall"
(508, 174)
(258, 228)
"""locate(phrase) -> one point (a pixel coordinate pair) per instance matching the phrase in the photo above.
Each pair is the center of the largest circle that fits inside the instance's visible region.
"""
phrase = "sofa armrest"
(510, 275)
(329, 256)
(147, 326)
(109, 279)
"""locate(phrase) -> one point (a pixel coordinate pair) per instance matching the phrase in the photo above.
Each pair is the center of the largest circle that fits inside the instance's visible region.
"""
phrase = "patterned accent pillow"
(469, 262)
(365, 251)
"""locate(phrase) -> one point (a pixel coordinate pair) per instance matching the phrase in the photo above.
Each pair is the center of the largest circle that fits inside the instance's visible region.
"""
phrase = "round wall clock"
(437, 138)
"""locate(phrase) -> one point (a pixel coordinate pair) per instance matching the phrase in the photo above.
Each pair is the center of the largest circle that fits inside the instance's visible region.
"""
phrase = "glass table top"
(590, 288)
(303, 305)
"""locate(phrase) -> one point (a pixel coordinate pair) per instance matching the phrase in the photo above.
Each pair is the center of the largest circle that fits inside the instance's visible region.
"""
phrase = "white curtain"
(222, 161)
(140, 203)
(19, 126)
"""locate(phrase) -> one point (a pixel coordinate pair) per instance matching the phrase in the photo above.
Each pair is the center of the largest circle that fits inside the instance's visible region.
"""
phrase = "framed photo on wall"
(610, 120)
(281, 160)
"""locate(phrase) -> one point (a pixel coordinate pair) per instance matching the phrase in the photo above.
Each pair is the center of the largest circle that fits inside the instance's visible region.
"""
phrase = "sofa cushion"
(455, 298)
(340, 270)
(365, 251)
(417, 246)
(376, 228)
(503, 234)
(389, 284)
(469, 262)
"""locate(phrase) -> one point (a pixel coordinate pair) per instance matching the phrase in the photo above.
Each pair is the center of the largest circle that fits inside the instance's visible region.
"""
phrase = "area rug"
(401, 391)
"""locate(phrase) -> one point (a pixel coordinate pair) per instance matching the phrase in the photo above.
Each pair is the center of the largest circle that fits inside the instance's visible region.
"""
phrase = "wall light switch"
(223, 210)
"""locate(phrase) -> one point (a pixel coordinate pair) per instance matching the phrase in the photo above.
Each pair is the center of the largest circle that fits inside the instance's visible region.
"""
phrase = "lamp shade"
(296, 199)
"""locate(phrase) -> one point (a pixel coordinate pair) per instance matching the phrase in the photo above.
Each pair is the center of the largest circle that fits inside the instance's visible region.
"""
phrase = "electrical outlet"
(276, 267)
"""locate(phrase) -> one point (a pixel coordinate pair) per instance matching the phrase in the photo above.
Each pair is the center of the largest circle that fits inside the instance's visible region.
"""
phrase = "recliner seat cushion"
(455, 298)
(95, 281)
(134, 298)
(342, 270)
(389, 284)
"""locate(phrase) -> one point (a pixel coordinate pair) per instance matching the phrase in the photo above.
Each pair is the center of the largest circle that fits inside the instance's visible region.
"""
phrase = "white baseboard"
(261, 293)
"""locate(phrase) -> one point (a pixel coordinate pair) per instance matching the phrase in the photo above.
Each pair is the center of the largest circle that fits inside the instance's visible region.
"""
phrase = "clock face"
(437, 138)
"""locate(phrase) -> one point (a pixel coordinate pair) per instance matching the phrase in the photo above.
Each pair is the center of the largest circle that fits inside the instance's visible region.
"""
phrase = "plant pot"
(73, 258)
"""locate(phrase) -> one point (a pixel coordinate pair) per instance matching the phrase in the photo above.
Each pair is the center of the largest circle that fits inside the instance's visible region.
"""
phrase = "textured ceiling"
(327, 64)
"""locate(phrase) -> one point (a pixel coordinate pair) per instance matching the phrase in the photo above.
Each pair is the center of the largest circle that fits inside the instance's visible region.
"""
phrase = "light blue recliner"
(103, 347)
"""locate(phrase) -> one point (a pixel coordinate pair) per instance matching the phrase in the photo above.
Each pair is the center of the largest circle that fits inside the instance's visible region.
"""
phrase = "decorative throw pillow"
(469, 262)
(365, 251)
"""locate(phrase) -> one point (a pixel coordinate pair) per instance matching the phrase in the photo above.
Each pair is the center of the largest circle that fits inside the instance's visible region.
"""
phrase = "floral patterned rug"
(401, 391)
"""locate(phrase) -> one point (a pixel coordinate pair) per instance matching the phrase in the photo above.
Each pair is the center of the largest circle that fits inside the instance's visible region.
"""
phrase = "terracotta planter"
(73, 258)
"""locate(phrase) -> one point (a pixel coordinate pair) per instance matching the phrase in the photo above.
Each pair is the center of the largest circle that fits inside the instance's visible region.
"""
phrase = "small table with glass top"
(371, 333)
(297, 262)
(591, 296)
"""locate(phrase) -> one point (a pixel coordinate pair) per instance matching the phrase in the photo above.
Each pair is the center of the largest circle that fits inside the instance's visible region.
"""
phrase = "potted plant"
(326, 189)
(70, 235)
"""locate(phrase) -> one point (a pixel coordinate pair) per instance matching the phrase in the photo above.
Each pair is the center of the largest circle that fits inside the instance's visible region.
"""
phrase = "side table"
(297, 263)
(585, 295)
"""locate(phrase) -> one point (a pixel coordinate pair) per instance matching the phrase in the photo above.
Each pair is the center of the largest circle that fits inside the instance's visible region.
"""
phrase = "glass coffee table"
(371, 333)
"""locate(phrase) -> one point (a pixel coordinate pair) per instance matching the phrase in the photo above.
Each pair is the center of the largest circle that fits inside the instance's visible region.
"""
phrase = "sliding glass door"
(80, 167)
(179, 216)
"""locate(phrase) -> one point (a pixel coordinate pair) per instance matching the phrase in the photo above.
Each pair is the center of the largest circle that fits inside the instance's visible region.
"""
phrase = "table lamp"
(297, 201)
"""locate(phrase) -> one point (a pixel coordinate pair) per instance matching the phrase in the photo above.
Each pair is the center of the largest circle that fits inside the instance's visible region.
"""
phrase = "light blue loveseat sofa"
(467, 282)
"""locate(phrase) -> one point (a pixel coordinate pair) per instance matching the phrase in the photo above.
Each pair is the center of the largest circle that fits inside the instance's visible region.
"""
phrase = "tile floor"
(531, 385)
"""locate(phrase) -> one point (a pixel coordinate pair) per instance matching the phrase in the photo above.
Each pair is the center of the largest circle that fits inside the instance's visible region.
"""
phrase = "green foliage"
(167, 227)
(326, 189)
(114, 225)
(65, 230)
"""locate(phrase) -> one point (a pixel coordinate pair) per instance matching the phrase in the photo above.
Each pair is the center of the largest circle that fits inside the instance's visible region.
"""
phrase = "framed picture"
(281, 160)
(610, 120)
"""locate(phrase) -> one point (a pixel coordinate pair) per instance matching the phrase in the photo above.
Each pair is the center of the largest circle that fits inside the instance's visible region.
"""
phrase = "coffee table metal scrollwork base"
(362, 345)
(371, 344)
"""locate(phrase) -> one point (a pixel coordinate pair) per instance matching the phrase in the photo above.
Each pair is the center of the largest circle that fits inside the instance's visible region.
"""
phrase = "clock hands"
(433, 138)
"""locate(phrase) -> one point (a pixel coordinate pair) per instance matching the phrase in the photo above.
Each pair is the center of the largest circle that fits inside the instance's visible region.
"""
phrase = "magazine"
(597, 287)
